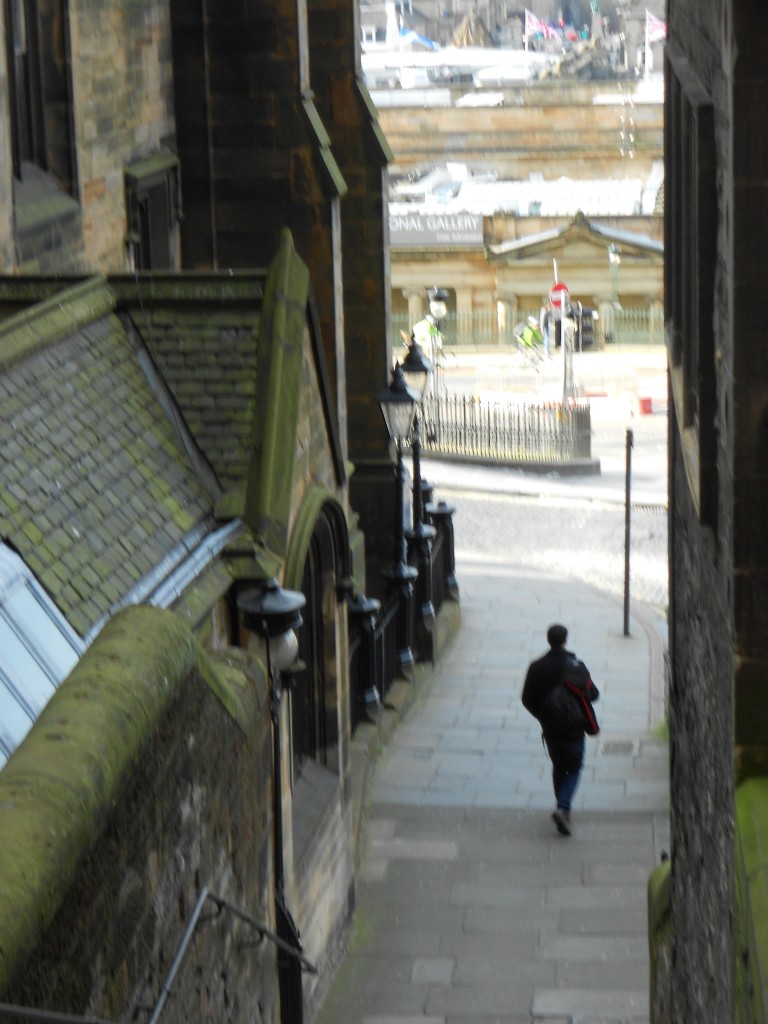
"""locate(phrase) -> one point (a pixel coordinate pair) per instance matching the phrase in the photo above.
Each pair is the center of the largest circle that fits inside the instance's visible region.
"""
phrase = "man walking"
(564, 740)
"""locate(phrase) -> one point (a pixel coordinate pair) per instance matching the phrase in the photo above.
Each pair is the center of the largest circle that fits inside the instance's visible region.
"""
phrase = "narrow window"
(152, 206)
(27, 115)
(314, 699)
(690, 229)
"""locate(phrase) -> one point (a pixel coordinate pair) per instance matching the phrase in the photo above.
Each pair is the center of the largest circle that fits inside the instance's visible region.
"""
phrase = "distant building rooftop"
(454, 191)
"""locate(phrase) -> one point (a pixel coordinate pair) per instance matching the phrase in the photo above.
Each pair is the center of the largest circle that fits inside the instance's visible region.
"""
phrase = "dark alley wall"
(716, 209)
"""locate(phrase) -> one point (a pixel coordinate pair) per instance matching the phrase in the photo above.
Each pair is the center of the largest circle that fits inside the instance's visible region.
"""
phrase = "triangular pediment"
(581, 237)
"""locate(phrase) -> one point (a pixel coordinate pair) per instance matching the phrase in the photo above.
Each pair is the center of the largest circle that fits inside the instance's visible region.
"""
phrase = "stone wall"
(314, 465)
(123, 85)
(107, 98)
(552, 128)
(362, 153)
(6, 161)
(319, 864)
(718, 563)
(255, 156)
(169, 793)
(701, 760)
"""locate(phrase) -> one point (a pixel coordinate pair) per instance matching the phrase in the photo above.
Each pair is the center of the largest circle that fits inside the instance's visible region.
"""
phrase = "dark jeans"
(567, 759)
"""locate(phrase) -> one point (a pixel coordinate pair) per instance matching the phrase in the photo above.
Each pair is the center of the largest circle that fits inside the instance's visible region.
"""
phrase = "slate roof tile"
(95, 487)
(208, 357)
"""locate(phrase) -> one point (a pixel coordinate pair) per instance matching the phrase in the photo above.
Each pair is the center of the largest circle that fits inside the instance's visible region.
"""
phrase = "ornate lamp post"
(398, 405)
(417, 370)
(274, 614)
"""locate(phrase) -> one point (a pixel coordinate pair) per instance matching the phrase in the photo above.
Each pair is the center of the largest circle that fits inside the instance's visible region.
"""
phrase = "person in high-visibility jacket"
(427, 334)
(531, 335)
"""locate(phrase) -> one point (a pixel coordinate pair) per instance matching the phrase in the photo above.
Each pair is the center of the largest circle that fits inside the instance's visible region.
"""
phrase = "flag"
(655, 28)
(408, 37)
(535, 26)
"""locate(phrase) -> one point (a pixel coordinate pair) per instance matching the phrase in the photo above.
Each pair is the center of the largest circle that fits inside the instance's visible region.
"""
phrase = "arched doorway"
(316, 699)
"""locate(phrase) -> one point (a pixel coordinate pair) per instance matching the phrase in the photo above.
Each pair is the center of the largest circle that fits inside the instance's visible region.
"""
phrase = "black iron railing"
(365, 662)
(374, 627)
(465, 426)
(387, 641)
(437, 570)
(357, 672)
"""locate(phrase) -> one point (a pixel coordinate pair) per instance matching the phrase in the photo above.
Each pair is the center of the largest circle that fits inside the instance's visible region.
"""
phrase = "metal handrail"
(180, 954)
(265, 933)
(221, 904)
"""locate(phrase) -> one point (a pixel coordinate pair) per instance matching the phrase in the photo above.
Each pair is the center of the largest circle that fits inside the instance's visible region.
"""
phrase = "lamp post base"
(400, 578)
(442, 515)
(406, 664)
(420, 540)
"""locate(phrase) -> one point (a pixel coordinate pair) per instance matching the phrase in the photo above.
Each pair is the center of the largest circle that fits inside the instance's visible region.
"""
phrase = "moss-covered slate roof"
(95, 487)
(207, 354)
(128, 405)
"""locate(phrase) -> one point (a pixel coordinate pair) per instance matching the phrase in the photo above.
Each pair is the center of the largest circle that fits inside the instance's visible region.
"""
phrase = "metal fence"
(374, 628)
(437, 571)
(482, 328)
(637, 328)
(505, 432)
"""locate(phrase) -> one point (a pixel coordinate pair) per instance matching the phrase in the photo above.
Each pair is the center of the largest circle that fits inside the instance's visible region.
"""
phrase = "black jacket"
(543, 675)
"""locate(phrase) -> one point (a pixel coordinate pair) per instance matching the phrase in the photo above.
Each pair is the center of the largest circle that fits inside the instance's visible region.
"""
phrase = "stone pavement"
(640, 371)
(471, 909)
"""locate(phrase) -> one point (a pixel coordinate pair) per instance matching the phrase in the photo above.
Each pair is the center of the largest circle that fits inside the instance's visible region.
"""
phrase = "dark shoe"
(560, 819)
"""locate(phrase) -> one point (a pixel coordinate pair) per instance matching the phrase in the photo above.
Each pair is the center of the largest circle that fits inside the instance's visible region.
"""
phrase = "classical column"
(506, 316)
(417, 304)
(464, 312)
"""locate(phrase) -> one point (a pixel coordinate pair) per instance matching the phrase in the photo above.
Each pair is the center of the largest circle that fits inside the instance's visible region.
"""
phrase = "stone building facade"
(555, 128)
(494, 255)
(172, 447)
(154, 137)
(180, 427)
(707, 906)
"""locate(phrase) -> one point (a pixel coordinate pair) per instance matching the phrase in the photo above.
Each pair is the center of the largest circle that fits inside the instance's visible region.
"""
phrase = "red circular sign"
(559, 294)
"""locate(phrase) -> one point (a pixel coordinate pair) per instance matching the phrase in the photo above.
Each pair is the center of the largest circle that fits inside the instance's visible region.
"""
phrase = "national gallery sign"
(435, 229)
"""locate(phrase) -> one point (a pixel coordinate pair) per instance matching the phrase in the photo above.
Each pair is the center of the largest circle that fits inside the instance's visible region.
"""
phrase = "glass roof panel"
(38, 649)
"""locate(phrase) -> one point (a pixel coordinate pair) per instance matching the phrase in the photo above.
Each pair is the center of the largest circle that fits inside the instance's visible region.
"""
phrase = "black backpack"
(568, 705)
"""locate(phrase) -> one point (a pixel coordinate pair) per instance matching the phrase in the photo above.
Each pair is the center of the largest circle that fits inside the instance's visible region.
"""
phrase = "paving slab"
(471, 908)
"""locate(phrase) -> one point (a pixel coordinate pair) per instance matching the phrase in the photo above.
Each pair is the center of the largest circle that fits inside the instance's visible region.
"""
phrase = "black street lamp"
(417, 370)
(398, 405)
(437, 300)
(274, 614)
